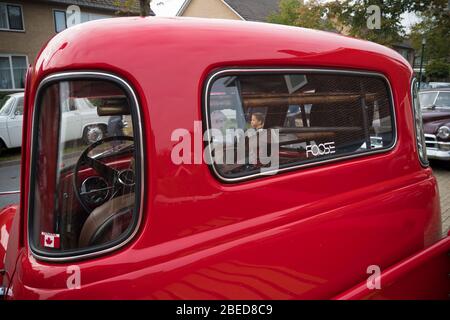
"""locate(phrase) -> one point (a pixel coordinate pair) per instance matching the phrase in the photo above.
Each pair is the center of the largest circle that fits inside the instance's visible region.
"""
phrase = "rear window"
(298, 118)
(86, 154)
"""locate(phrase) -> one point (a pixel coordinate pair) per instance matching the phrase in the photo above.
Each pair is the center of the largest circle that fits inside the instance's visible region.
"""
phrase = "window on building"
(11, 17)
(60, 20)
(12, 72)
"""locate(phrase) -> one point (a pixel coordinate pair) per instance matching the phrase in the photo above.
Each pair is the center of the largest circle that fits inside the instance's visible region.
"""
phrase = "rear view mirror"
(114, 107)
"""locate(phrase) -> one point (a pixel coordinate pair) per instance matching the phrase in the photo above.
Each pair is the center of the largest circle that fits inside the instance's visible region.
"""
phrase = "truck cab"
(284, 163)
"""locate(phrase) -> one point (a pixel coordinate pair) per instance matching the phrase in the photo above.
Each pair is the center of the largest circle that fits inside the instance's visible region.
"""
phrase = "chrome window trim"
(423, 162)
(214, 75)
(97, 75)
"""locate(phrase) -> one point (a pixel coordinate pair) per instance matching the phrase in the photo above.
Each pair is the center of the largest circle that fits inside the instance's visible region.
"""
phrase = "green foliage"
(437, 69)
(312, 15)
(354, 15)
(435, 28)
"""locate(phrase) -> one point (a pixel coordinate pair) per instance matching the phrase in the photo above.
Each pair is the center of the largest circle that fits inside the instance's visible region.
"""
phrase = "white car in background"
(79, 117)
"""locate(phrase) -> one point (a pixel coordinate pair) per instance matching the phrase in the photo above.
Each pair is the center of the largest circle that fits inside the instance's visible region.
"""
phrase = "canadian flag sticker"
(50, 240)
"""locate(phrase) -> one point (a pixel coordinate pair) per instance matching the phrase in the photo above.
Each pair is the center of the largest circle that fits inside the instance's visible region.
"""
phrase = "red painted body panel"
(313, 232)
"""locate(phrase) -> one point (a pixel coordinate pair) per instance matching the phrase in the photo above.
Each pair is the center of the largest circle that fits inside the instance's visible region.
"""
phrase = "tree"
(435, 28)
(145, 7)
(312, 15)
(126, 7)
(354, 15)
(437, 69)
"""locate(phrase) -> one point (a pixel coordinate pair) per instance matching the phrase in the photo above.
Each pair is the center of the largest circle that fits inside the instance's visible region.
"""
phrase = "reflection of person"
(218, 120)
(257, 121)
(115, 128)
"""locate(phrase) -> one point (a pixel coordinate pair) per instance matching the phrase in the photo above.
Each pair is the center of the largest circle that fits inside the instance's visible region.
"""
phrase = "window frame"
(414, 86)
(10, 56)
(283, 71)
(6, 4)
(94, 251)
(54, 19)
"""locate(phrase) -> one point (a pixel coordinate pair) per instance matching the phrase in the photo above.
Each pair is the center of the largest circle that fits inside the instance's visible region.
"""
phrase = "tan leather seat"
(100, 216)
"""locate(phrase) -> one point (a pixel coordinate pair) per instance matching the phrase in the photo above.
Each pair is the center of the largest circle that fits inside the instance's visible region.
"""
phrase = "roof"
(254, 10)
(251, 10)
(204, 42)
(108, 5)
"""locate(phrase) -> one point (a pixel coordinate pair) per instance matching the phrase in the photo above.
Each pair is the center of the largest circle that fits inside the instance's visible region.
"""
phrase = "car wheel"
(93, 134)
(2, 146)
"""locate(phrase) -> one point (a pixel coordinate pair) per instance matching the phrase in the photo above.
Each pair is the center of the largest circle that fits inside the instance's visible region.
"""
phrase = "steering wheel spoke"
(108, 173)
(115, 179)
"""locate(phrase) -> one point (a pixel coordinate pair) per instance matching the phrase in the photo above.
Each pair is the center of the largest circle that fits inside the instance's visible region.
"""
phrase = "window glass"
(427, 99)
(5, 74)
(60, 20)
(3, 16)
(6, 105)
(86, 178)
(15, 17)
(19, 107)
(294, 119)
(443, 99)
(19, 64)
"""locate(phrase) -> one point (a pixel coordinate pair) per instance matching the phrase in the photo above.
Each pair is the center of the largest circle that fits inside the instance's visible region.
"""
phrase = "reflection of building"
(25, 26)
(250, 10)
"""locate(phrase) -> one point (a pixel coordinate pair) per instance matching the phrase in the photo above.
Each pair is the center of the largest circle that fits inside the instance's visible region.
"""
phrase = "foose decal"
(320, 149)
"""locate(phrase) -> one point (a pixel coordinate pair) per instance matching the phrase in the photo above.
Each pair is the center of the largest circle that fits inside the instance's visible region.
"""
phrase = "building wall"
(210, 9)
(39, 27)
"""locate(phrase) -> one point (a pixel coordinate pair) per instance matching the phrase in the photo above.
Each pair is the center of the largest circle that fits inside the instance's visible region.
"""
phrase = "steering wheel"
(115, 179)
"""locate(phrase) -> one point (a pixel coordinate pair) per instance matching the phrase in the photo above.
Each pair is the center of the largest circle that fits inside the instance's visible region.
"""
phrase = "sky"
(171, 7)
(166, 7)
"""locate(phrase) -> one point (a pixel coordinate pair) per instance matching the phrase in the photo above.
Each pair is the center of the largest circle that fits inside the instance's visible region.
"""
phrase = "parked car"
(436, 85)
(436, 120)
(11, 114)
(79, 117)
(342, 206)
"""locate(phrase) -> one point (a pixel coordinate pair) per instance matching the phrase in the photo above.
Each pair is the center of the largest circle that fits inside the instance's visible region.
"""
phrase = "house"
(26, 25)
(249, 10)
(406, 50)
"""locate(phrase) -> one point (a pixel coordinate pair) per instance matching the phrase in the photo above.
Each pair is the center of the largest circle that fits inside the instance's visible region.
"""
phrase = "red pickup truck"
(241, 161)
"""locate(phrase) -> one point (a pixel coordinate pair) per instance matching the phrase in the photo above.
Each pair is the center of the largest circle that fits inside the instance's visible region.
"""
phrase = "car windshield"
(443, 100)
(426, 99)
(6, 105)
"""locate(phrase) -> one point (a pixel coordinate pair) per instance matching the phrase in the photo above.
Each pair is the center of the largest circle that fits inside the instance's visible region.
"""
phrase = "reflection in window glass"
(19, 65)
(427, 99)
(3, 17)
(15, 17)
(85, 177)
(316, 116)
(60, 20)
(443, 99)
(5, 73)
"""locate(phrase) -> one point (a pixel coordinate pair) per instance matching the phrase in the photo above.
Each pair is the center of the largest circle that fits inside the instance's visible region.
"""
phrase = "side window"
(418, 121)
(19, 107)
(85, 188)
(295, 119)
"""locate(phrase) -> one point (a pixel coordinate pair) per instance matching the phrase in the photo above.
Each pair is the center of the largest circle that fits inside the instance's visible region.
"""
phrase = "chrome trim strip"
(5, 193)
(69, 76)
(423, 162)
(221, 72)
